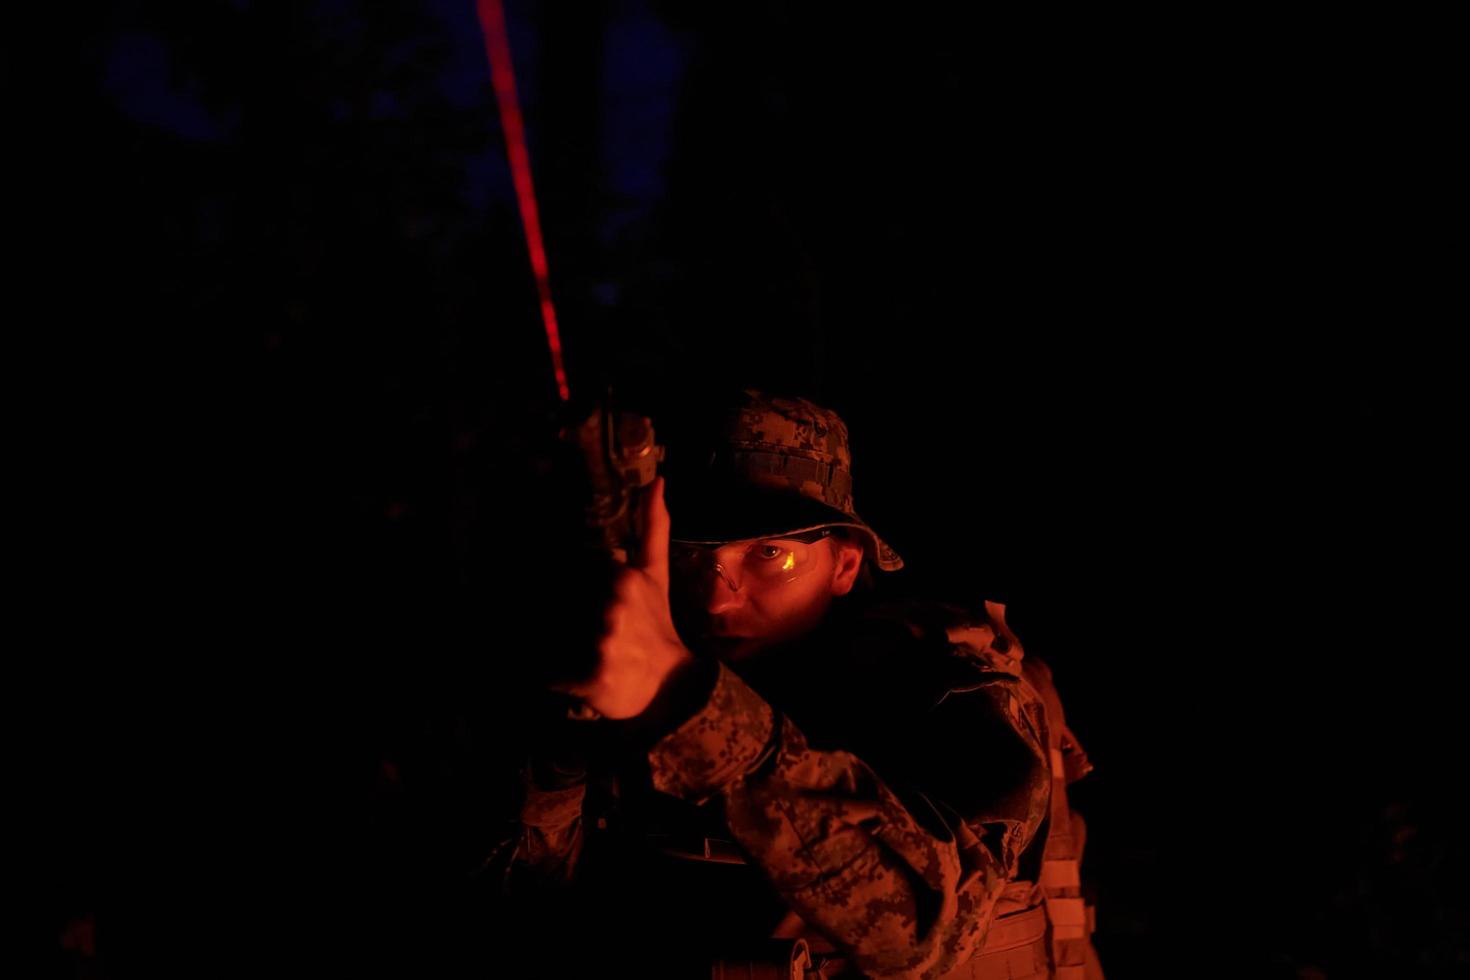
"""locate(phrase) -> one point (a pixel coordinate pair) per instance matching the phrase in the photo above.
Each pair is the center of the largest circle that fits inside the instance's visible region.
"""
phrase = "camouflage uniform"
(830, 769)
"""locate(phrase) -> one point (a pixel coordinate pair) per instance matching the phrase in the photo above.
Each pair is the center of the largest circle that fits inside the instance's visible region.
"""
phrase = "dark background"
(1136, 321)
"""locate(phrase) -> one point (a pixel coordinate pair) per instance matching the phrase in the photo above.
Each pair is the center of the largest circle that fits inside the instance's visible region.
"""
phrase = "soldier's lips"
(726, 633)
(731, 648)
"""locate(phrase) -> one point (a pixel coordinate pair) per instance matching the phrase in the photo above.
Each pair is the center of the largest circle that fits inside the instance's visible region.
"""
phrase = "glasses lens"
(763, 561)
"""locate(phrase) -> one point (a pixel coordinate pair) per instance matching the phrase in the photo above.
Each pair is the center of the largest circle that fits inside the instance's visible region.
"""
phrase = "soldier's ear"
(847, 564)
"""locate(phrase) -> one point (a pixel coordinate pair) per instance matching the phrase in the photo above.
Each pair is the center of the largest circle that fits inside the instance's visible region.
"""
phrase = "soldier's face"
(735, 601)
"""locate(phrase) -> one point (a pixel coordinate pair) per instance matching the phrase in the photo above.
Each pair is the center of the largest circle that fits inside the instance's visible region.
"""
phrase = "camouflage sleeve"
(550, 838)
(549, 843)
(901, 890)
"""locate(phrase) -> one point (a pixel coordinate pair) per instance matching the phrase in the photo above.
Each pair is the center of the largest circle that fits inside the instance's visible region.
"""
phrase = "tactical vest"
(1041, 928)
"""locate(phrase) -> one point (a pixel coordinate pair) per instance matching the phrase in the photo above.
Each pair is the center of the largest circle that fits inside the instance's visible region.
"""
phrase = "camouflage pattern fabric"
(903, 873)
(797, 430)
(794, 446)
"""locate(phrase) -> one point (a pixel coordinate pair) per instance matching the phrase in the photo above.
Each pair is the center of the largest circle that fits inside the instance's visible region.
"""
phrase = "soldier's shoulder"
(960, 644)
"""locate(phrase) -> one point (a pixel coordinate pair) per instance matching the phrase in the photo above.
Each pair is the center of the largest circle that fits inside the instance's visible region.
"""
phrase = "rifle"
(620, 457)
(618, 452)
(614, 457)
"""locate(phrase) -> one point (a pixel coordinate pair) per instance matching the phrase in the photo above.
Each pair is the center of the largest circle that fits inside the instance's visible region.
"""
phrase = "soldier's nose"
(721, 595)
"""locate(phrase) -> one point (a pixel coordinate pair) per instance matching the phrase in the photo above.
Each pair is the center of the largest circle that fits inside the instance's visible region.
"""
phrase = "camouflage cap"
(777, 465)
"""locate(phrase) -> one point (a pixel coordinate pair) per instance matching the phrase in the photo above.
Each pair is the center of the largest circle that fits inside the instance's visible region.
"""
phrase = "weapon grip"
(620, 456)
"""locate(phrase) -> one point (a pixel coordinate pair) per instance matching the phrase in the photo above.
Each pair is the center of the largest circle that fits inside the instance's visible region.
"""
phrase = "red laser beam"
(497, 49)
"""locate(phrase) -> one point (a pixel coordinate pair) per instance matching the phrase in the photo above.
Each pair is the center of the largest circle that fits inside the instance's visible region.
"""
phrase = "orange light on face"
(790, 561)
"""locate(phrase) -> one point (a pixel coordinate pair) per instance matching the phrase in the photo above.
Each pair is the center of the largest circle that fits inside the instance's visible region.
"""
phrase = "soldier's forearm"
(551, 837)
(852, 860)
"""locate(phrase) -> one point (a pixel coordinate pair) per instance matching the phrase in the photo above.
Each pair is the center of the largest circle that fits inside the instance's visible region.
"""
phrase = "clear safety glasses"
(758, 562)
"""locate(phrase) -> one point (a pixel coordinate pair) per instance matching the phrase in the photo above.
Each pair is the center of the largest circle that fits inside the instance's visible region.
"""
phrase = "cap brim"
(730, 514)
(712, 516)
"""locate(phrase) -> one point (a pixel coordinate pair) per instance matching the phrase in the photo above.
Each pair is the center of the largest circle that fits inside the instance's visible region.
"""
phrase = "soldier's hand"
(639, 648)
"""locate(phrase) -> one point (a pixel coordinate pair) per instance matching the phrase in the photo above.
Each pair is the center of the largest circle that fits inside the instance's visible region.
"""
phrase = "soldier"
(791, 777)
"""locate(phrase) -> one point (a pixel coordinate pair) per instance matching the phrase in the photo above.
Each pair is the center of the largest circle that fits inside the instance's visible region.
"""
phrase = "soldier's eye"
(770, 552)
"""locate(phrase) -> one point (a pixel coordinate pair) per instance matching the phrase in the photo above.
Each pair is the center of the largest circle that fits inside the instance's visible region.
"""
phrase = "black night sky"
(1136, 320)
